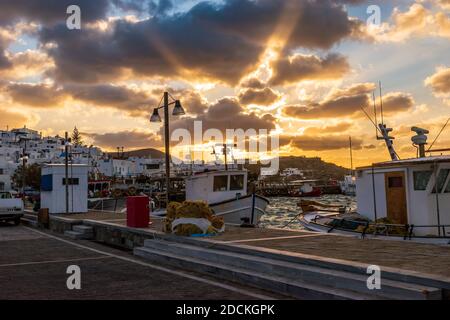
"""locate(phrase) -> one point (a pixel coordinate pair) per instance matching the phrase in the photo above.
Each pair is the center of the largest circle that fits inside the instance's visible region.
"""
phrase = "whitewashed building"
(53, 188)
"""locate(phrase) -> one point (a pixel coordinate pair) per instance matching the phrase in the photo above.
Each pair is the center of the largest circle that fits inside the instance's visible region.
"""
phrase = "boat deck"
(403, 255)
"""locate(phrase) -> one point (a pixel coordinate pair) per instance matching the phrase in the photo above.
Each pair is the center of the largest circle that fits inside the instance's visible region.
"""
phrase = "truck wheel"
(17, 221)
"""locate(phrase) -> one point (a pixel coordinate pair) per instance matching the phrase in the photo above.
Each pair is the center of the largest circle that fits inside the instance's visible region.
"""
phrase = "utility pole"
(24, 164)
(66, 162)
(167, 145)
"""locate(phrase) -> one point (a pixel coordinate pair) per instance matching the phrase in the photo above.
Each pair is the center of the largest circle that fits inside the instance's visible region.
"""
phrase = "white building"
(53, 188)
(7, 169)
(289, 172)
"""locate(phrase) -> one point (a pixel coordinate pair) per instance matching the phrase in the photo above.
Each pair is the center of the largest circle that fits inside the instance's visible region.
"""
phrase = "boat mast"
(385, 132)
(351, 156)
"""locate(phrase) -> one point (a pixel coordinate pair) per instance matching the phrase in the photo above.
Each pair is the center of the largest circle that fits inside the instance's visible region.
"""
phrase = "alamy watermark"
(74, 280)
(374, 19)
(73, 21)
(374, 280)
(260, 146)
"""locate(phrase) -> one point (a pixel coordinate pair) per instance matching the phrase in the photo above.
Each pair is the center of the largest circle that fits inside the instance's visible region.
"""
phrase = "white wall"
(364, 194)
(55, 200)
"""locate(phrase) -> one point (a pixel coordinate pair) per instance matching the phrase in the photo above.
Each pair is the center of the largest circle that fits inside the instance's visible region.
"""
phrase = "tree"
(76, 138)
(32, 176)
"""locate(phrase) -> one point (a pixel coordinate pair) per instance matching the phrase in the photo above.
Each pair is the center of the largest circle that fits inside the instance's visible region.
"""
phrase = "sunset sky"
(302, 68)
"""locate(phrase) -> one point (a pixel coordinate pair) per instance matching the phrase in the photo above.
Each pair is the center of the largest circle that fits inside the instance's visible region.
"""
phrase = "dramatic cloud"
(225, 114)
(440, 81)
(325, 143)
(181, 45)
(348, 103)
(263, 97)
(416, 21)
(133, 102)
(36, 95)
(331, 129)
(339, 103)
(253, 83)
(25, 64)
(308, 67)
(129, 139)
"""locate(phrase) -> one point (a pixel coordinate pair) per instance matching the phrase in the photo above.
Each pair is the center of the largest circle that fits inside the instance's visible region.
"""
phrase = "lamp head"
(155, 116)
(178, 109)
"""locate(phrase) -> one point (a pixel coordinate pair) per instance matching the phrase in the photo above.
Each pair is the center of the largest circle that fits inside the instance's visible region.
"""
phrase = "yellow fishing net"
(193, 210)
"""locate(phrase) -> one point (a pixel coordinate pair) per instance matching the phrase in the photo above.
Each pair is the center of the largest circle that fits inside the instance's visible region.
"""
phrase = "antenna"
(351, 155)
(381, 104)
(375, 113)
(439, 134)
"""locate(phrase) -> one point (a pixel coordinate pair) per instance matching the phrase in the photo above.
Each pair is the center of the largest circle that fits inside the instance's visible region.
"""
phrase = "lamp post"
(155, 117)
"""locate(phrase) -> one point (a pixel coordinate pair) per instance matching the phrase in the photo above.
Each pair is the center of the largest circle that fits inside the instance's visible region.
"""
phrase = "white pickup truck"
(11, 209)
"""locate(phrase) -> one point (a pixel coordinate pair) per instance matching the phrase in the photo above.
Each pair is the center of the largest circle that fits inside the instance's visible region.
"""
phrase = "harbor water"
(282, 211)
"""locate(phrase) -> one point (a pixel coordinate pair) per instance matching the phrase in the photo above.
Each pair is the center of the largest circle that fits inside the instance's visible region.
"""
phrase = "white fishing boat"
(348, 185)
(226, 193)
(398, 199)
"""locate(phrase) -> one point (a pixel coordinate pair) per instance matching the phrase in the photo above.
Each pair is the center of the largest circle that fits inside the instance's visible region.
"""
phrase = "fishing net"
(192, 218)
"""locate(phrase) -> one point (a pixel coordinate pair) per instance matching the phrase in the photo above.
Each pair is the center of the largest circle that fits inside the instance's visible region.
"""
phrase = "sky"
(300, 69)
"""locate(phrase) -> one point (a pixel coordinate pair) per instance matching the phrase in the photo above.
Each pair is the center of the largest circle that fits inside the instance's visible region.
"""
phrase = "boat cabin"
(217, 186)
(413, 191)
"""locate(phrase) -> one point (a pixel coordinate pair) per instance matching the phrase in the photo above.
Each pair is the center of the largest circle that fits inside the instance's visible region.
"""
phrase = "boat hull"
(238, 211)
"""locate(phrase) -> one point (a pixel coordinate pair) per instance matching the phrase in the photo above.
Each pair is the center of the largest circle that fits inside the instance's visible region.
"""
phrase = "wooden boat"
(399, 199)
(226, 193)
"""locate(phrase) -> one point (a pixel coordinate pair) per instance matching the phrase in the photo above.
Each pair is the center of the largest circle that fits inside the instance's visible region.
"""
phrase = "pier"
(293, 264)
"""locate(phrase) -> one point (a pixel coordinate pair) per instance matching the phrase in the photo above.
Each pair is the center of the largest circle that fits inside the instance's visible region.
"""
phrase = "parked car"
(11, 208)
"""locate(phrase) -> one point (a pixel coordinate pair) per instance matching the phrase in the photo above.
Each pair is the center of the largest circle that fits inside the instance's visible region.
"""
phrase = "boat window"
(237, 182)
(442, 177)
(395, 182)
(421, 179)
(447, 190)
(220, 183)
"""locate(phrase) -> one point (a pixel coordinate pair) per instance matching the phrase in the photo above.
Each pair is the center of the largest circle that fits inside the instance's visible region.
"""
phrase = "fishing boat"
(348, 185)
(399, 199)
(225, 191)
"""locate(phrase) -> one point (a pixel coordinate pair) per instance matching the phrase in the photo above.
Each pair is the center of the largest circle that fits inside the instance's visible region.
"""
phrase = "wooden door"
(396, 197)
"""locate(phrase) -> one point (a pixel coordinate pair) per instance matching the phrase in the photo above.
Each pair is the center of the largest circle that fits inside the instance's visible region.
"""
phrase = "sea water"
(282, 211)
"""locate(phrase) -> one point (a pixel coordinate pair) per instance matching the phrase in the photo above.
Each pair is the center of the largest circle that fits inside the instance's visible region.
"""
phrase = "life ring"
(117, 193)
(132, 191)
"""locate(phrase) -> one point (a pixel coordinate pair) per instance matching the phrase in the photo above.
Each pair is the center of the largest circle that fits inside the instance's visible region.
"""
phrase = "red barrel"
(138, 212)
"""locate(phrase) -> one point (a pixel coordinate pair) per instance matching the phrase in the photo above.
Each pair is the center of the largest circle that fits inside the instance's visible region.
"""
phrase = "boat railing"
(388, 228)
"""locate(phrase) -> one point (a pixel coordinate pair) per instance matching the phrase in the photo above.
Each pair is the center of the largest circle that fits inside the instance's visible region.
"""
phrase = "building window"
(442, 177)
(237, 182)
(2, 186)
(220, 183)
(2, 171)
(421, 179)
(72, 181)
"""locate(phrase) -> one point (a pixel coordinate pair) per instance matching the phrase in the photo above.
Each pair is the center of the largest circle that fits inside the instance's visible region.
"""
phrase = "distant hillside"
(320, 168)
(142, 153)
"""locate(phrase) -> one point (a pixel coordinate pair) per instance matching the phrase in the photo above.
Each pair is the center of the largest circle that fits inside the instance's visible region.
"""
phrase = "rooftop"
(411, 161)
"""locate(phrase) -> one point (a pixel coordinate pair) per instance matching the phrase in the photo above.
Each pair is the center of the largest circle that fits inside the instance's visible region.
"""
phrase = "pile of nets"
(192, 218)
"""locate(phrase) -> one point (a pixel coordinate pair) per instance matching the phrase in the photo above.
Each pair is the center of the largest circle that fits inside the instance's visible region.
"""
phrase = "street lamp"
(155, 117)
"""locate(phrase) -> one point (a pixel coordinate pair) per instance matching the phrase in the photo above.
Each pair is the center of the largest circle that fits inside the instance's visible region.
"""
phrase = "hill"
(142, 153)
(320, 169)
